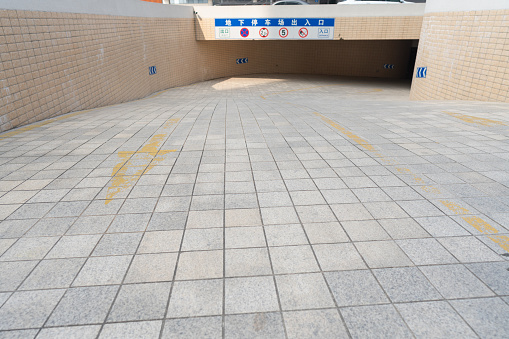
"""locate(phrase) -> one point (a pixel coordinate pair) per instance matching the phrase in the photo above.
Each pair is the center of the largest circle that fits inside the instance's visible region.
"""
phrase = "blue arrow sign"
(242, 61)
(152, 70)
(421, 72)
(389, 66)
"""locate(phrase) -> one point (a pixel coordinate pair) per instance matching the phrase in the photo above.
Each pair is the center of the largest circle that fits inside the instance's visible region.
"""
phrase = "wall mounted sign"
(275, 28)
(421, 72)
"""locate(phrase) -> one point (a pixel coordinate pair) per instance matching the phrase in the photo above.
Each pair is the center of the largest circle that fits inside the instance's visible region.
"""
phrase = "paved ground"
(265, 207)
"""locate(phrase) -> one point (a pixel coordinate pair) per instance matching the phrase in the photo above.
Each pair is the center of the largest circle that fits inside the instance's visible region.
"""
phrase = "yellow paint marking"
(39, 124)
(476, 222)
(457, 209)
(346, 132)
(475, 120)
(371, 91)
(132, 165)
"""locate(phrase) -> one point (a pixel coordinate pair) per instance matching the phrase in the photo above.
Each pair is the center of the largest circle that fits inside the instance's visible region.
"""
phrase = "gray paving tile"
(102, 207)
(495, 275)
(28, 309)
(384, 210)
(129, 222)
(152, 268)
(161, 241)
(426, 251)
(274, 199)
(196, 298)
(435, 319)
(330, 232)
(469, 249)
(315, 324)
(403, 228)
(68, 209)
(345, 212)
(183, 328)
(118, 244)
(203, 239)
(200, 265)
(378, 321)
(248, 295)
(293, 259)
(15, 228)
(247, 262)
(31, 211)
(303, 291)
(19, 334)
(74, 246)
(50, 227)
(167, 221)
(83, 305)
(205, 219)
(29, 248)
(338, 257)
(315, 213)
(487, 316)
(91, 225)
(56, 273)
(279, 215)
(132, 330)
(173, 204)
(455, 281)
(140, 302)
(259, 325)
(284, 235)
(378, 254)
(366, 230)
(13, 273)
(103, 271)
(406, 284)
(239, 237)
(242, 217)
(352, 288)
(74, 332)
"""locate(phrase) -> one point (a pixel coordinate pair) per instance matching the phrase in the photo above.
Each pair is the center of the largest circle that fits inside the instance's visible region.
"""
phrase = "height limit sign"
(275, 28)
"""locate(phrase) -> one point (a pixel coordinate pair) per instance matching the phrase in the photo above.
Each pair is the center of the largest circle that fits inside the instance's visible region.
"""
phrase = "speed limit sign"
(264, 32)
(283, 32)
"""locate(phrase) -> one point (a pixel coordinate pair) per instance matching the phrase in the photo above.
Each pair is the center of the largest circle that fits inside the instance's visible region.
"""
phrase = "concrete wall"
(465, 46)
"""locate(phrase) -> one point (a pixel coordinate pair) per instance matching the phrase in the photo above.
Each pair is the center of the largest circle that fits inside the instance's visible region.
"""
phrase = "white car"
(371, 2)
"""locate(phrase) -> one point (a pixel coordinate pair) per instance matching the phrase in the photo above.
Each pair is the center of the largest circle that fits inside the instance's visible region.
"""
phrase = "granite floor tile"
(196, 298)
(378, 321)
(353, 288)
(249, 295)
(315, 324)
(303, 291)
(140, 302)
(258, 325)
(183, 328)
(28, 309)
(132, 330)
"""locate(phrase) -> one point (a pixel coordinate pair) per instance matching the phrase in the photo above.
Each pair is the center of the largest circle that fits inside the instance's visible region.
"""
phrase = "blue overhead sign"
(262, 22)
(275, 28)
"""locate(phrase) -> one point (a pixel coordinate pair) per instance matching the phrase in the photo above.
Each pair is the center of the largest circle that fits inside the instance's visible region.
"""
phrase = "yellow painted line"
(39, 124)
(476, 120)
(371, 91)
(139, 162)
(476, 222)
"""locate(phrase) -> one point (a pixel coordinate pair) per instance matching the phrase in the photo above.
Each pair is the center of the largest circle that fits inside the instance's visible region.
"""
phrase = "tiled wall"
(55, 63)
(349, 28)
(466, 55)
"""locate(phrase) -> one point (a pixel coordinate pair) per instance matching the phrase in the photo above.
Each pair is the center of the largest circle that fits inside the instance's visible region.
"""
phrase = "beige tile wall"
(348, 28)
(55, 63)
(467, 55)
